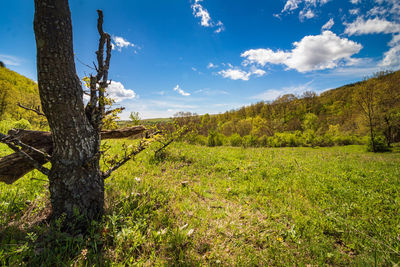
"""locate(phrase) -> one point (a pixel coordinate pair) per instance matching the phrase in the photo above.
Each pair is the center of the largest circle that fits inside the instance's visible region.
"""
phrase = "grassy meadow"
(221, 206)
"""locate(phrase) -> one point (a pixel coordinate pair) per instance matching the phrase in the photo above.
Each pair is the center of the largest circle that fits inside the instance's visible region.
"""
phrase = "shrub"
(201, 140)
(235, 140)
(249, 141)
(22, 124)
(344, 140)
(284, 140)
(5, 126)
(309, 138)
(214, 139)
(263, 141)
(380, 144)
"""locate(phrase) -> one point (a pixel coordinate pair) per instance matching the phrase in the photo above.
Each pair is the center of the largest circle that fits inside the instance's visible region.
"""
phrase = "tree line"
(363, 112)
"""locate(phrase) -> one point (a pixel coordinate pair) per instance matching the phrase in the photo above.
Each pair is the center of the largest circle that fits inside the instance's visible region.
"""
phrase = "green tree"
(134, 117)
(310, 122)
(365, 97)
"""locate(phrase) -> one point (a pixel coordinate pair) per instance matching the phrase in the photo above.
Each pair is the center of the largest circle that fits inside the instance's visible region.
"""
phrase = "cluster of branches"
(95, 108)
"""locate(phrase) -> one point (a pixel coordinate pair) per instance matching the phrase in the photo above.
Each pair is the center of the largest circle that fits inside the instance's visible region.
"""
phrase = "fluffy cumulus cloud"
(118, 92)
(264, 56)
(178, 89)
(200, 12)
(314, 52)
(355, 2)
(239, 74)
(118, 43)
(383, 18)
(370, 26)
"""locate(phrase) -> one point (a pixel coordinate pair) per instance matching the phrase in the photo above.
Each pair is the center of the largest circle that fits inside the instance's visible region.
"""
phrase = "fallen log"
(14, 166)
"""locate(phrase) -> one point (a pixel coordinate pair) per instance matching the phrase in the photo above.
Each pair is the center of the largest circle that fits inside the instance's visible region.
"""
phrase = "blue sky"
(209, 56)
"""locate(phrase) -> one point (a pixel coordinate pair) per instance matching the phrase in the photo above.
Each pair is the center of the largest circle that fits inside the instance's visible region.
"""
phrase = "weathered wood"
(14, 166)
(123, 132)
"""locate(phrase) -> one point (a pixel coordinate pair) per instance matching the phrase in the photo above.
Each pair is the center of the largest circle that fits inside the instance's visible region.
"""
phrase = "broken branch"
(36, 110)
(14, 166)
(36, 164)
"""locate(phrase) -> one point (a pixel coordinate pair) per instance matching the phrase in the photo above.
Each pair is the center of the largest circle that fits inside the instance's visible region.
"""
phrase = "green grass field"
(221, 206)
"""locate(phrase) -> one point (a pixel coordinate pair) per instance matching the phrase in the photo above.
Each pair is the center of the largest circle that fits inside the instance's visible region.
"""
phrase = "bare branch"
(80, 61)
(112, 110)
(142, 146)
(28, 148)
(36, 110)
(100, 51)
(164, 146)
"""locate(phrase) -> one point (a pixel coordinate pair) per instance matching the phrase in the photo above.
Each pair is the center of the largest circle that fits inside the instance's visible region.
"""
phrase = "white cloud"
(200, 12)
(354, 11)
(119, 43)
(238, 74)
(328, 25)
(309, 7)
(371, 26)
(235, 74)
(264, 56)
(118, 92)
(10, 60)
(211, 66)
(313, 52)
(383, 18)
(306, 14)
(391, 58)
(210, 92)
(259, 72)
(180, 91)
(220, 27)
(291, 5)
(355, 2)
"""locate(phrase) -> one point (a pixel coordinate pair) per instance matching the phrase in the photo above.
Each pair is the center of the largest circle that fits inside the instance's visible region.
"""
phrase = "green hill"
(292, 119)
(14, 89)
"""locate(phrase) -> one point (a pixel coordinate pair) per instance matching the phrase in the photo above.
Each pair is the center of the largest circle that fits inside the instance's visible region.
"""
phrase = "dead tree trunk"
(75, 181)
(14, 166)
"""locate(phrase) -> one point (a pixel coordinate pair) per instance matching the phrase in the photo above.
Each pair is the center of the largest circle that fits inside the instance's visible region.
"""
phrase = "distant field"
(223, 206)
(124, 123)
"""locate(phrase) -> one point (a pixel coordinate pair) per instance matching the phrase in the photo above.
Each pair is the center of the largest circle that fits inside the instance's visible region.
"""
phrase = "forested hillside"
(340, 116)
(14, 89)
(345, 115)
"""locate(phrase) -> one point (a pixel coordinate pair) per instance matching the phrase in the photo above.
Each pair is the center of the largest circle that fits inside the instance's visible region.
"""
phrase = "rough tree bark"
(75, 181)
